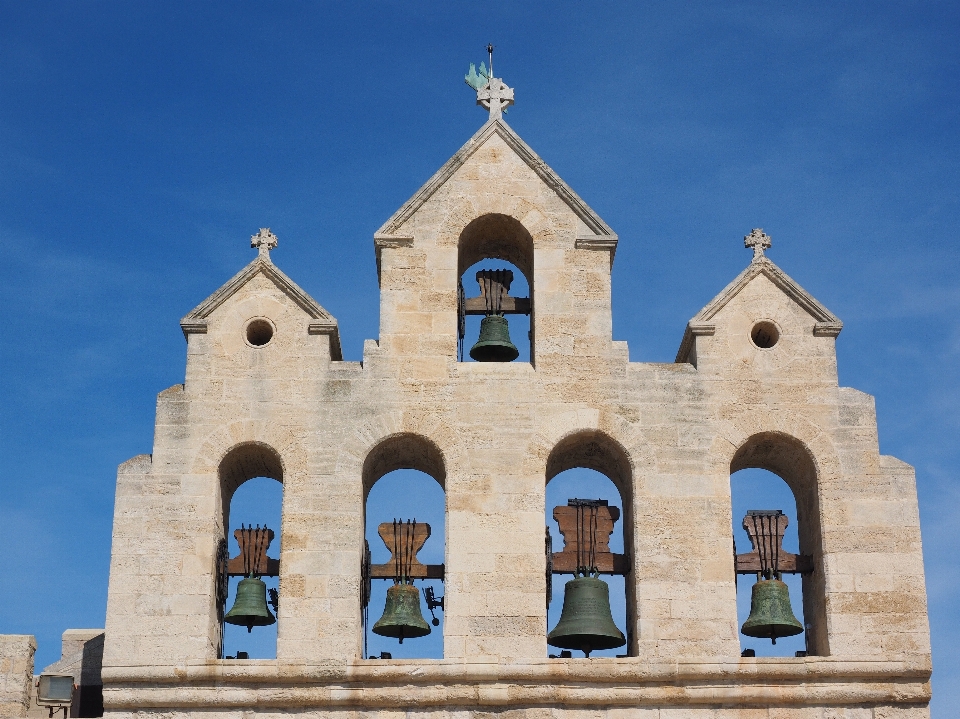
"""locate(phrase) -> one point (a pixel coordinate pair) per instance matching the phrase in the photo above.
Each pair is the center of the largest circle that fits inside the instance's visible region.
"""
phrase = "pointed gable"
(321, 321)
(826, 324)
(595, 233)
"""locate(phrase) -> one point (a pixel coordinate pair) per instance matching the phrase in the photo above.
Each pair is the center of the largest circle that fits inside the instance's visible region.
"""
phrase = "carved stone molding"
(597, 682)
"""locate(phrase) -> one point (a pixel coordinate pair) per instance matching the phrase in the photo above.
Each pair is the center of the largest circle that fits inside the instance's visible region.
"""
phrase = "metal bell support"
(402, 618)
(494, 344)
(771, 615)
(586, 622)
(250, 607)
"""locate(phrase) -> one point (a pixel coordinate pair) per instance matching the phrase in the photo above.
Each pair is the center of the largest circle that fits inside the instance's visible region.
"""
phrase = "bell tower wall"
(755, 385)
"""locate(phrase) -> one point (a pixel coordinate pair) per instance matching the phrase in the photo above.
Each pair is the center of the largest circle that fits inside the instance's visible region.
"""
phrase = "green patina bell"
(250, 607)
(771, 615)
(402, 618)
(494, 344)
(586, 622)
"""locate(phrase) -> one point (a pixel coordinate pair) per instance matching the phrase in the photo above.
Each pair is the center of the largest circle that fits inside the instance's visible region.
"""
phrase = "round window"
(259, 332)
(765, 334)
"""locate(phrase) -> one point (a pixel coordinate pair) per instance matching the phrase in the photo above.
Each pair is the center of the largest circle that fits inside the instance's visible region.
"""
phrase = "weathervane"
(758, 241)
(264, 241)
(492, 93)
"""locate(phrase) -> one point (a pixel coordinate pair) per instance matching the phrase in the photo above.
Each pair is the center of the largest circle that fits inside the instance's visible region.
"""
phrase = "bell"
(494, 344)
(250, 607)
(586, 622)
(401, 614)
(771, 616)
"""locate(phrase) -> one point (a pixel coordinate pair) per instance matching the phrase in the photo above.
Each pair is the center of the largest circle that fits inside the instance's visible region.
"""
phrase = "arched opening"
(591, 466)
(403, 479)
(495, 245)
(251, 490)
(778, 472)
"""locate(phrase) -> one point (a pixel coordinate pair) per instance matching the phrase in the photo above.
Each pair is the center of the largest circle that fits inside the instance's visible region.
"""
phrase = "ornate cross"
(264, 241)
(758, 241)
(492, 93)
(495, 96)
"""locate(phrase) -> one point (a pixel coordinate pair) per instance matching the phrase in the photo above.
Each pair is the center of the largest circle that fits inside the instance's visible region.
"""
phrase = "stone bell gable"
(765, 355)
(261, 291)
(495, 198)
(267, 394)
(763, 306)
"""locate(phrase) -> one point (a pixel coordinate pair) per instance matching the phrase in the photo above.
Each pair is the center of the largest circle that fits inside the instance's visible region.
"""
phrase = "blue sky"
(141, 144)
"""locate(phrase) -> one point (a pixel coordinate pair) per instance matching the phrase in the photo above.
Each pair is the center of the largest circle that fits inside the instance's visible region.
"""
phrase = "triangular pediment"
(827, 323)
(321, 321)
(599, 233)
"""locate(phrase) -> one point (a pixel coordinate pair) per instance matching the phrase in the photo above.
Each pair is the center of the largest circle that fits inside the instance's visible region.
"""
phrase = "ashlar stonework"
(16, 673)
(279, 401)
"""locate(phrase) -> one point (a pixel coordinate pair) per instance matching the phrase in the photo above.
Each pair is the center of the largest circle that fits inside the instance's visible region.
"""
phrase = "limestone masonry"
(267, 393)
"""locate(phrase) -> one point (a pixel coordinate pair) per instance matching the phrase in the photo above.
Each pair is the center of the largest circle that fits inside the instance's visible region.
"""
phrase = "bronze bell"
(494, 344)
(250, 607)
(586, 622)
(771, 615)
(401, 615)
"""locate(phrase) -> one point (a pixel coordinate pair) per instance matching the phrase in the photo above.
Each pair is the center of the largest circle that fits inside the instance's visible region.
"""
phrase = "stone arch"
(228, 456)
(595, 449)
(243, 462)
(498, 236)
(403, 450)
(286, 443)
(400, 451)
(737, 431)
(795, 463)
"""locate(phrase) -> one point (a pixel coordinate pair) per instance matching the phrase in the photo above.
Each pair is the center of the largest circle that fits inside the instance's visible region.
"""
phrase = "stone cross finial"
(758, 241)
(495, 96)
(264, 241)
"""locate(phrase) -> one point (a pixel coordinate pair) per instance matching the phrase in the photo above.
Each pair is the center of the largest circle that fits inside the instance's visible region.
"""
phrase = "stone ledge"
(811, 681)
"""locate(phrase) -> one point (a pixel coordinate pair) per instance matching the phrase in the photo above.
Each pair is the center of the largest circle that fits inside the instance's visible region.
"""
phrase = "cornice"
(599, 682)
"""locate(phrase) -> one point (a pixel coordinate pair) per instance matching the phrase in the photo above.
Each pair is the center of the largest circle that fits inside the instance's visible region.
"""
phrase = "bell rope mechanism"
(493, 344)
(402, 616)
(586, 622)
(250, 604)
(771, 615)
